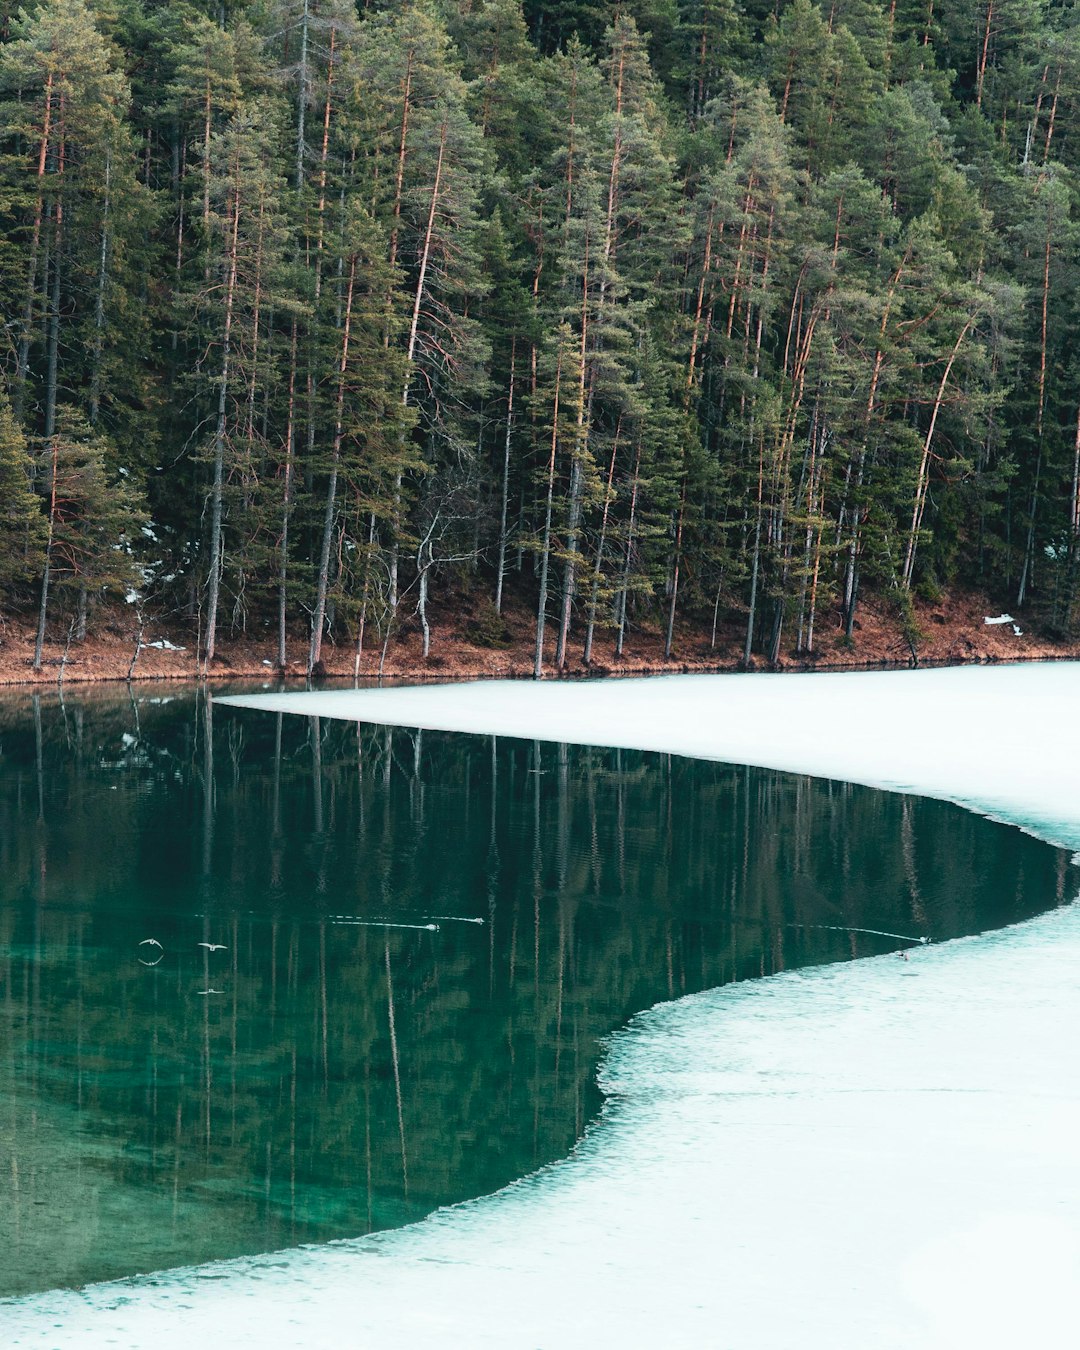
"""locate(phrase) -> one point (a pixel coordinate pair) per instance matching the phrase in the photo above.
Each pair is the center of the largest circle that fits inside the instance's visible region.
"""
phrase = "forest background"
(322, 321)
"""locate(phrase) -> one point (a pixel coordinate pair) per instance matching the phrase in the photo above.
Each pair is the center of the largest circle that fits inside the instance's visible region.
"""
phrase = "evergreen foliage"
(654, 312)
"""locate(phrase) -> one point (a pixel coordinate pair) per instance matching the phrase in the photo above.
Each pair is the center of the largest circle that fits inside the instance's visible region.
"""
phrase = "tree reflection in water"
(388, 959)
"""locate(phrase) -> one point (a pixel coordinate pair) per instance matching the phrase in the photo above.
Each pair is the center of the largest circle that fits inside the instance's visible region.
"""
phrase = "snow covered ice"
(874, 1155)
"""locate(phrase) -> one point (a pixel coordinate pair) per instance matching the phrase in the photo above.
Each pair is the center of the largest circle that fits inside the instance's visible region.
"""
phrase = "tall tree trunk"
(1029, 542)
(755, 565)
(301, 106)
(217, 490)
(43, 606)
(53, 347)
(414, 328)
(545, 553)
(23, 359)
(318, 618)
(598, 569)
(501, 569)
(624, 593)
(676, 561)
(286, 498)
(99, 303)
(984, 53)
(923, 480)
(577, 472)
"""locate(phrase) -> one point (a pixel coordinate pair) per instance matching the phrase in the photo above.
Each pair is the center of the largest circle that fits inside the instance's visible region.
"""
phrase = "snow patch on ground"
(877, 1155)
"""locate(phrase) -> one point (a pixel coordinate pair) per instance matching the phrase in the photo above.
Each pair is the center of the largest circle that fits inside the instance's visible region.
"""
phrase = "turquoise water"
(267, 980)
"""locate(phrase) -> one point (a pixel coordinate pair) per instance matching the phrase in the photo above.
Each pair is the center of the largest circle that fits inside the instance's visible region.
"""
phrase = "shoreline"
(908, 1125)
(296, 679)
(955, 631)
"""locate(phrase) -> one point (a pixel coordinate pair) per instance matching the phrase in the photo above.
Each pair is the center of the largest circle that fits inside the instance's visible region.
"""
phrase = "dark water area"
(267, 980)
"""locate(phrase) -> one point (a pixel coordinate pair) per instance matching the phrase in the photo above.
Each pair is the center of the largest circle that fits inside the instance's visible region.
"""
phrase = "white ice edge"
(870, 1156)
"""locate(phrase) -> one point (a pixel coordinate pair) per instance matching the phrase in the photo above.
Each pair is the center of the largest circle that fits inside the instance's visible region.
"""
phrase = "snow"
(1003, 740)
(164, 645)
(879, 1154)
(1001, 618)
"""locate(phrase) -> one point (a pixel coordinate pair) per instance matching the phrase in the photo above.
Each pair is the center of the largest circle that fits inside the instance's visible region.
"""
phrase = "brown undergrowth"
(950, 631)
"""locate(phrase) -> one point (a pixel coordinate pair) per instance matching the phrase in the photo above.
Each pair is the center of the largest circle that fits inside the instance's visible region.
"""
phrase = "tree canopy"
(660, 312)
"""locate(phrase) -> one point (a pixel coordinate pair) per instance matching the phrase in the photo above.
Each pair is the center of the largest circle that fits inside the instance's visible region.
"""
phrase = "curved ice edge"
(873, 1154)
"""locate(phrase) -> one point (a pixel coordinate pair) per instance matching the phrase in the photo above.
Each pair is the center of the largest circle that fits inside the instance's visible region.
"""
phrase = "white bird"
(203, 992)
(213, 946)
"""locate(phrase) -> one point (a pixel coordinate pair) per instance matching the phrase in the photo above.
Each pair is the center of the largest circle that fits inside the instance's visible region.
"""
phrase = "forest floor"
(952, 631)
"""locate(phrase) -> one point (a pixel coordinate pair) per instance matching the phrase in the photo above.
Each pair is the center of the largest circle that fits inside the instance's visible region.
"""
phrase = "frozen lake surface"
(870, 1155)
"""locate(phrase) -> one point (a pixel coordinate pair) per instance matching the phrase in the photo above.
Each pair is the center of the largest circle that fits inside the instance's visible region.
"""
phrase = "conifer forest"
(624, 311)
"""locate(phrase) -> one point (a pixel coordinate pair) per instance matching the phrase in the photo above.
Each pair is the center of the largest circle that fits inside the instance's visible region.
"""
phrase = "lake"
(267, 980)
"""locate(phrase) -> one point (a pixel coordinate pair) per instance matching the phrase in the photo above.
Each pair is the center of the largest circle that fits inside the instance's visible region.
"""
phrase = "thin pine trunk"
(923, 479)
(217, 491)
(318, 617)
(545, 555)
(501, 570)
(99, 303)
(39, 641)
(624, 594)
(23, 360)
(414, 328)
(598, 569)
(301, 111)
(577, 473)
(286, 499)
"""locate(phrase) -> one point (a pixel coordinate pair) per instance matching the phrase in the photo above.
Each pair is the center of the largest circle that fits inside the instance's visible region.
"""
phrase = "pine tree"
(93, 519)
(22, 529)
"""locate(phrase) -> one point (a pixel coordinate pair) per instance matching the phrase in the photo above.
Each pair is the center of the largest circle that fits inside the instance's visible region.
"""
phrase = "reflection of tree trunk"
(367, 1141)
(397, 1071)
(273, 972)
(315, 732)
(538, 881)
(560, 977)
(323, 1010)
(911, 874)
(208, 783)
(275, 814)
(292, 1142)
(234, 937)
(177, 1142)
(208, 1071)
(42, 873)
(493, 863)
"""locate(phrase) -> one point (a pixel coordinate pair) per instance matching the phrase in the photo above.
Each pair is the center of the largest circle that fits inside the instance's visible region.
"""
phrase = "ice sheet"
(1004, 740)
(871, 1156)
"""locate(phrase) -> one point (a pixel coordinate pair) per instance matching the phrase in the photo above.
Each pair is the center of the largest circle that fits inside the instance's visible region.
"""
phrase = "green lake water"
(268, 980)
